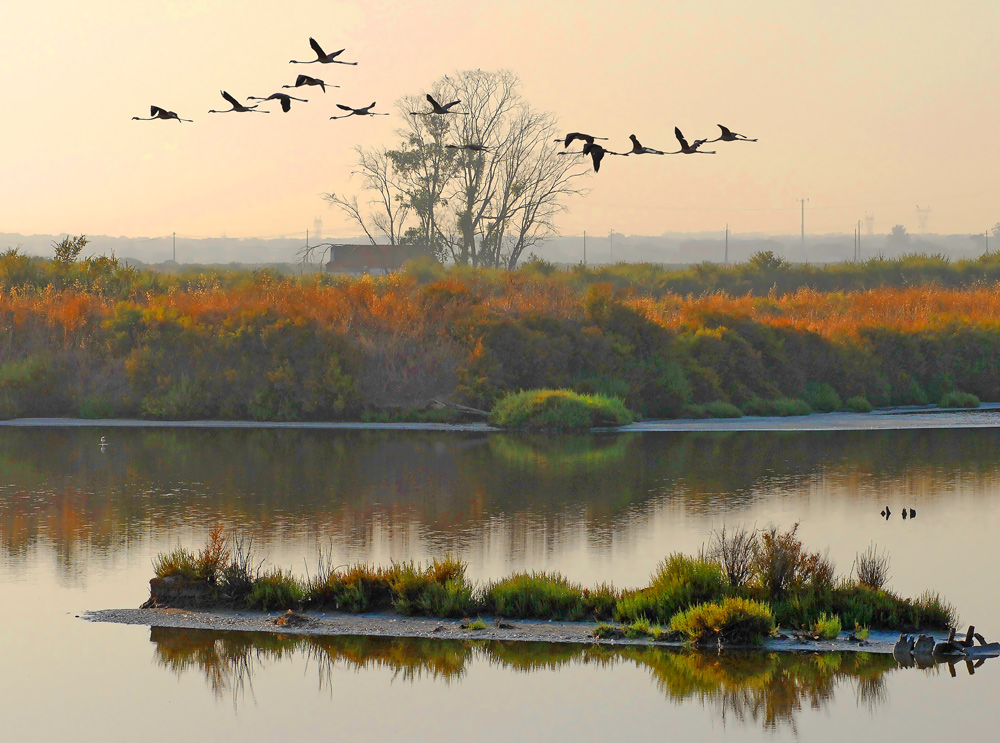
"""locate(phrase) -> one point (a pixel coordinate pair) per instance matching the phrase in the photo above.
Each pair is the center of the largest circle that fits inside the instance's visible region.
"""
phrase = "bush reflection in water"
(759, 688)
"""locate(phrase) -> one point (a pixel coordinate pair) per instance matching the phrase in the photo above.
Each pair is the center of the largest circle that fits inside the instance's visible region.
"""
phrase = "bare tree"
(388, 209)
(482, 206)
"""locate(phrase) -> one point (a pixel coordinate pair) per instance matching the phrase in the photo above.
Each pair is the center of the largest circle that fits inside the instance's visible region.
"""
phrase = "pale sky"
(859, 106)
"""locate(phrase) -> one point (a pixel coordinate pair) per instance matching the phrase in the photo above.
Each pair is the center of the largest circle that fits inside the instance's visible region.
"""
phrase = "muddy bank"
(392, 625)
(892, 419)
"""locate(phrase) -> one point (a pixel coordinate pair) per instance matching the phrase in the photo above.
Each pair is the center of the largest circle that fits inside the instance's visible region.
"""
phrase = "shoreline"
(396, 626)
(986, 415)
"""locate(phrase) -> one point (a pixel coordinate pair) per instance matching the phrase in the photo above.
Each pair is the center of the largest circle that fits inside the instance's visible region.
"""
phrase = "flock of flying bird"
(597, 152)
(590, 147)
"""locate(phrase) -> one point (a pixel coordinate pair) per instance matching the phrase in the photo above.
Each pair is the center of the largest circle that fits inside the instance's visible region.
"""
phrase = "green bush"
(558, 410)
(956, 399)
(276, 589)
(822, 397)
(679, 582)
(439, 590)
(781, 406)
(826, 627)
(731, 620)
(859, 404)
(534, 596)
(721, 409)
(95, 406)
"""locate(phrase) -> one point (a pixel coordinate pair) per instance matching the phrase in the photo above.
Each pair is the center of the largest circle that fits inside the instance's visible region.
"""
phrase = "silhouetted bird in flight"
(596, 153)
(886, 513)
(573, 136)
(473, 147)
(688, 149)
(913, 513)
(366, 111)
(237, 106)
(321, 56)
(306, 80)
(155, 112)
(904, 514)
(730, 136)
(437, 108)
(286, 100)
(638, 149)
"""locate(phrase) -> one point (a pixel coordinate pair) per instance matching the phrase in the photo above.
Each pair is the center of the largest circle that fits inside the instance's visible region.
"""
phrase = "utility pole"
(727, 243)
(175, 247)
(585, 248)
(803, 240)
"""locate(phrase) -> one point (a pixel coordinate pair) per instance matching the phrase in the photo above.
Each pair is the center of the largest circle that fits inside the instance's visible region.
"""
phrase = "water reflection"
(448, 490)
(761, 689)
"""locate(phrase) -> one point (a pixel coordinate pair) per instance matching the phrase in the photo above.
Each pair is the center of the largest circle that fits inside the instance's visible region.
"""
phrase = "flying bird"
(366, 111)
(286, 100)
(730, 136)
(596, 153)
(437, 108)
(688, 149)
(321, 56)
(638, 149)
(155, 112)
(473, 147)
(913, 513)
(237, 106)
(886, 513)
(306, 80)
(573, 136)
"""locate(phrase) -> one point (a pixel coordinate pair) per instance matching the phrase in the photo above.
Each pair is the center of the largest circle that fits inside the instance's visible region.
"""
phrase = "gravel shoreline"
(392, 625)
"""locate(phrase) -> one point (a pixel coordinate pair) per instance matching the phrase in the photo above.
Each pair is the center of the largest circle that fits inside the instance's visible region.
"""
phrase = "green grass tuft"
(859, 404)
(276, 589)
(826, 628)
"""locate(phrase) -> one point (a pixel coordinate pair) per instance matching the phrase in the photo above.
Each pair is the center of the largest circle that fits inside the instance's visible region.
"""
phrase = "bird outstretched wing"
(229, 98)
(344, 108)
(157, 111)
(316, 47)
(725, 131)
(680, 138)
(286, 102)
(303, 80)
(430, 100)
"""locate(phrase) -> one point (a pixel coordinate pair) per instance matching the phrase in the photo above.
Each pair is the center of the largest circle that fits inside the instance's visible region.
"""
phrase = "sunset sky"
(859, 107)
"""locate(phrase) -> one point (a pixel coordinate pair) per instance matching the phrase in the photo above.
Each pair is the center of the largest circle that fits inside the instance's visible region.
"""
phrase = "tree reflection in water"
(751, 688)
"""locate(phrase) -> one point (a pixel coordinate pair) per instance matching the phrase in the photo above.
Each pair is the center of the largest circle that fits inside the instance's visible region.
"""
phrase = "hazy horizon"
(859, 108)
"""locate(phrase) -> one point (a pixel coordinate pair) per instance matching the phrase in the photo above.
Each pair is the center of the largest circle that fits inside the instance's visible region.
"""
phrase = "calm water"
(79, 527)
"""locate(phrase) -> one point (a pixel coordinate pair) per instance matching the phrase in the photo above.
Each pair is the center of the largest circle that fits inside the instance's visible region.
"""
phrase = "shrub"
(932, 611)
(734, 551)
(826, 628)
(361, 588)
(781, 406)
(207, 565)
(859, 404)
(956, 399)
(558, 410)
(731, 620)
(679, 582)
(721, 409)
(276, 589)
(823, 397)
(439, 590)
(871, 567)
(534, 595)
(95, 406)
(178, 562)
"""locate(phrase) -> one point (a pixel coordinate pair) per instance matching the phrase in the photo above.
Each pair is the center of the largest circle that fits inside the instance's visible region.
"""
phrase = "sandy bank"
(391, 625)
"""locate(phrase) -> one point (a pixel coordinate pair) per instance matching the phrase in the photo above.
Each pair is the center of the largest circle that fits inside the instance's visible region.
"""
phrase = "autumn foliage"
(98, 340)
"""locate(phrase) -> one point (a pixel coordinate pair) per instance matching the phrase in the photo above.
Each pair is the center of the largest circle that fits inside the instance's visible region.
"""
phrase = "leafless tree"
(483, 206)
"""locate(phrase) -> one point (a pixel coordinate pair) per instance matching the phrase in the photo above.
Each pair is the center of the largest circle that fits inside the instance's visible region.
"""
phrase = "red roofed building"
(356, 260)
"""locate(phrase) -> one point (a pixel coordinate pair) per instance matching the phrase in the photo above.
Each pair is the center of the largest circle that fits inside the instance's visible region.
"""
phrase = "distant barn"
(356, 260)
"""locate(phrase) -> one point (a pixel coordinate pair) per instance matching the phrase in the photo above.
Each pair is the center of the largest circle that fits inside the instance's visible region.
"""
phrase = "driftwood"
(459, 408)
(923, 649)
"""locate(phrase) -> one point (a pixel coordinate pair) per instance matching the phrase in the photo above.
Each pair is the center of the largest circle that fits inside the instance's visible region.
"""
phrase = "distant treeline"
(96, 338)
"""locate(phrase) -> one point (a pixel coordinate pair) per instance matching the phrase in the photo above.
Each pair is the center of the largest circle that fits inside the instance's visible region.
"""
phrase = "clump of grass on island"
(715, 409)
(558, 410)
(780, 407)
(742, 584)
